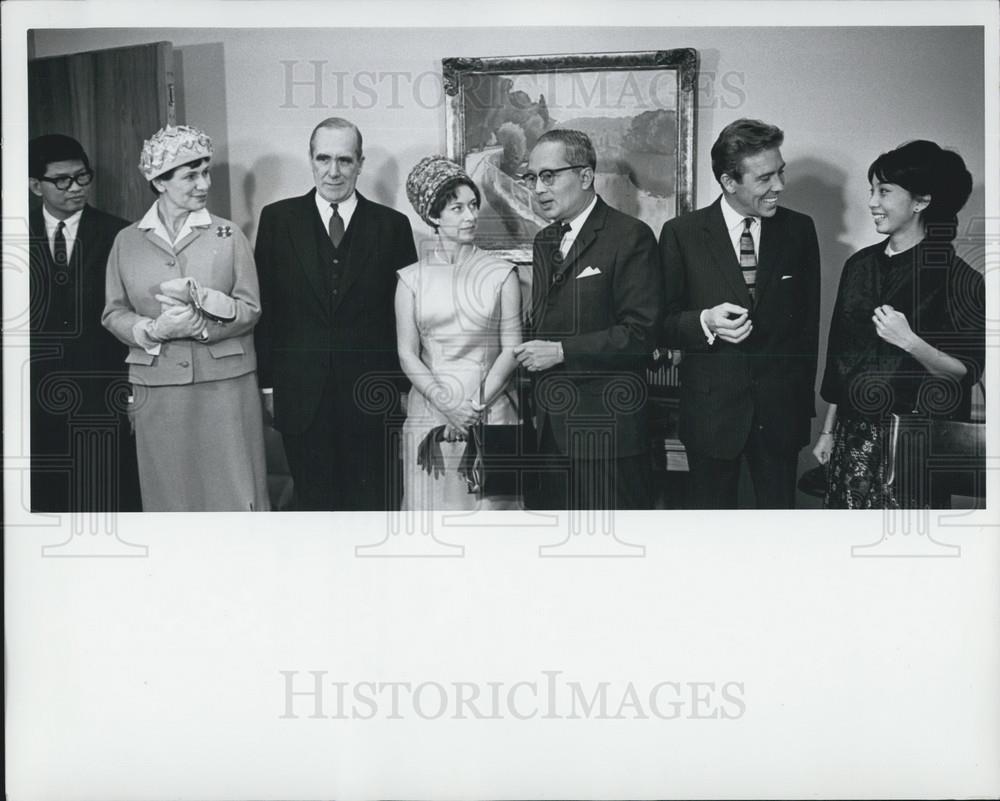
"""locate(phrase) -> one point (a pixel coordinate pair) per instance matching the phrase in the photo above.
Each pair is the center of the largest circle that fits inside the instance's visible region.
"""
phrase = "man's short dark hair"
(741, 139)
(43, 150)
(579, 149)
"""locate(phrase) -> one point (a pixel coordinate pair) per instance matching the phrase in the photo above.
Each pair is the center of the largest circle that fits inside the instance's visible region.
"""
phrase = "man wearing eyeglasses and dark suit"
(82, 450)
(596, 297)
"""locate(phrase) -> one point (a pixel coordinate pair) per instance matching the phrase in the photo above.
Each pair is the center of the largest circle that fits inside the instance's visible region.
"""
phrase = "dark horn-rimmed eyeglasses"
(64, 182)
(529, 179)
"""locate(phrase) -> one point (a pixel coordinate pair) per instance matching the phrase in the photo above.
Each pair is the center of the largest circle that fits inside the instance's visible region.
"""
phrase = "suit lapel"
(720, 247)
(302, 232)
(555, 274)
(589, 232)
(36, 226)
(190, 237)
(86, 241)
(154, 239)
(547, 242)
(772, 252)
(362, 242)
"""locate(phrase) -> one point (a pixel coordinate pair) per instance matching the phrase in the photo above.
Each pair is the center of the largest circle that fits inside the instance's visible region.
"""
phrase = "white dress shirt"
(70, 226)
(345, 208)
(734, 224)
(574, 227)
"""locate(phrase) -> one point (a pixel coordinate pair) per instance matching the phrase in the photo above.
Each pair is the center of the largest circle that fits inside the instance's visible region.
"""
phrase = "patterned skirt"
(859, 466)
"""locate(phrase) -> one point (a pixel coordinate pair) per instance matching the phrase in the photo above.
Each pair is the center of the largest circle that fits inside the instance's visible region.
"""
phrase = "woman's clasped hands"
(177, 320)
(462, 417)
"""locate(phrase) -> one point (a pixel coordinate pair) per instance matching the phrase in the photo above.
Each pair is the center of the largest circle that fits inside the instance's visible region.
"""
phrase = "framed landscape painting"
(637, 108)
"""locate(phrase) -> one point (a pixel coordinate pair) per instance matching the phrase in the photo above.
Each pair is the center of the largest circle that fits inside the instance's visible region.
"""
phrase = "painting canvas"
(637, 108)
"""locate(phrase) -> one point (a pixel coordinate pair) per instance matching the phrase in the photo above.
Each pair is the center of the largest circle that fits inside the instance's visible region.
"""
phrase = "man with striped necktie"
(742, 302)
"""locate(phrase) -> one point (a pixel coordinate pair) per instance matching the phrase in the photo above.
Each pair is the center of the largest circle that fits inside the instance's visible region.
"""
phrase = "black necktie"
(748, 257)
(336, 226)
(558, 258)
(59, 246)
(564, 228)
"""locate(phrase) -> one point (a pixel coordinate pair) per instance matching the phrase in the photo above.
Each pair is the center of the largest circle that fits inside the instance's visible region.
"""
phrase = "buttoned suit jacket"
(768, 379)
(218, 256)
(305, 337)
(603, 303)
(70, 348)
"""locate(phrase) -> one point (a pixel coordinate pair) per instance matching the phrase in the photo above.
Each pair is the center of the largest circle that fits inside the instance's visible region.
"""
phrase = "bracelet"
(825, 432)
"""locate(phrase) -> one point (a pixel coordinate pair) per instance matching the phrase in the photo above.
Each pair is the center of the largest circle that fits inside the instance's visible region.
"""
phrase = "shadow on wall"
(970, 243)
(200, 97)
(265, 172)
(818, 188)
(387, 183)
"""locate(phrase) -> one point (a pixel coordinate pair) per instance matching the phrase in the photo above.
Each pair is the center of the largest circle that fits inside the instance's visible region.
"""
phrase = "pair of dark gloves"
(470, 468)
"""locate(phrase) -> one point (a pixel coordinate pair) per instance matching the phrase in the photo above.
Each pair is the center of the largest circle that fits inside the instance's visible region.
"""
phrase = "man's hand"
(539, 355)
(729, 322)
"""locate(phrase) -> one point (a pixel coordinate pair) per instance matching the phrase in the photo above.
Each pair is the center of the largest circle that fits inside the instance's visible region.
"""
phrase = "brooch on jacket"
(223, 231)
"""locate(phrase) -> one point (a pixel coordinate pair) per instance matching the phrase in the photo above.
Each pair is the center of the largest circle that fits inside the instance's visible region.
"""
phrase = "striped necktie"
(748, 258)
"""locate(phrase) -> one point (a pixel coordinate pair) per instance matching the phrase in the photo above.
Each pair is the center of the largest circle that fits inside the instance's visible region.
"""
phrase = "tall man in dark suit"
(742, 302)
(596, 301)
(326, 340)
(82, 449)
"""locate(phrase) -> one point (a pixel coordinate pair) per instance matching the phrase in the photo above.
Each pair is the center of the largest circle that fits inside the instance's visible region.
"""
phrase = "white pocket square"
(589, 271)
(786, 276)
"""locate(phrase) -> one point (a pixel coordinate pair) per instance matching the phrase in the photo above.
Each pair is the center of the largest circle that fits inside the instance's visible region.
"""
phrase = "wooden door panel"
(110, 100)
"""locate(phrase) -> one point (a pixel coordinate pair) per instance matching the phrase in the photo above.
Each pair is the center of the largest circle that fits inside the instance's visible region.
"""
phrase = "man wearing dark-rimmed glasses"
(82, 452)
(596, 299)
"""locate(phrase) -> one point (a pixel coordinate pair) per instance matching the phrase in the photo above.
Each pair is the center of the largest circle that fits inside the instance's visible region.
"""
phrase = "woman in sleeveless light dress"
(458, 319)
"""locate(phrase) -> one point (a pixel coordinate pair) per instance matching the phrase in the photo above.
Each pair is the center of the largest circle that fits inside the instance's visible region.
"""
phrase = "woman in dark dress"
(907, 333)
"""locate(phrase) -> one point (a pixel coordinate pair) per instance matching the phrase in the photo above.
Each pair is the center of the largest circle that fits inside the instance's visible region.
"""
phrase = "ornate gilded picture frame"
(638, 109)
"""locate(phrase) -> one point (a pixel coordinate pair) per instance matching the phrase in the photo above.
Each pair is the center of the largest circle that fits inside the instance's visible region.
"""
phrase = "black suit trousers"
(566, 482)
(714, 483)
(343, 461)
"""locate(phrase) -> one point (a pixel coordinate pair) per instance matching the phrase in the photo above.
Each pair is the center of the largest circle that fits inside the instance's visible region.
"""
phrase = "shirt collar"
(151, 222)
(70, 223)
(733, 218)
(577, 222)
(345, 208)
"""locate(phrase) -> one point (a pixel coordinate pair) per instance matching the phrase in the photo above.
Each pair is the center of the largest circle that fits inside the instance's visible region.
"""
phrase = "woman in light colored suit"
(182, 293)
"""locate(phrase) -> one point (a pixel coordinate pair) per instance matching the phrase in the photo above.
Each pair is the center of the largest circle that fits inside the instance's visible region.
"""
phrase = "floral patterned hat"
(425, 181)
(171, 147)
